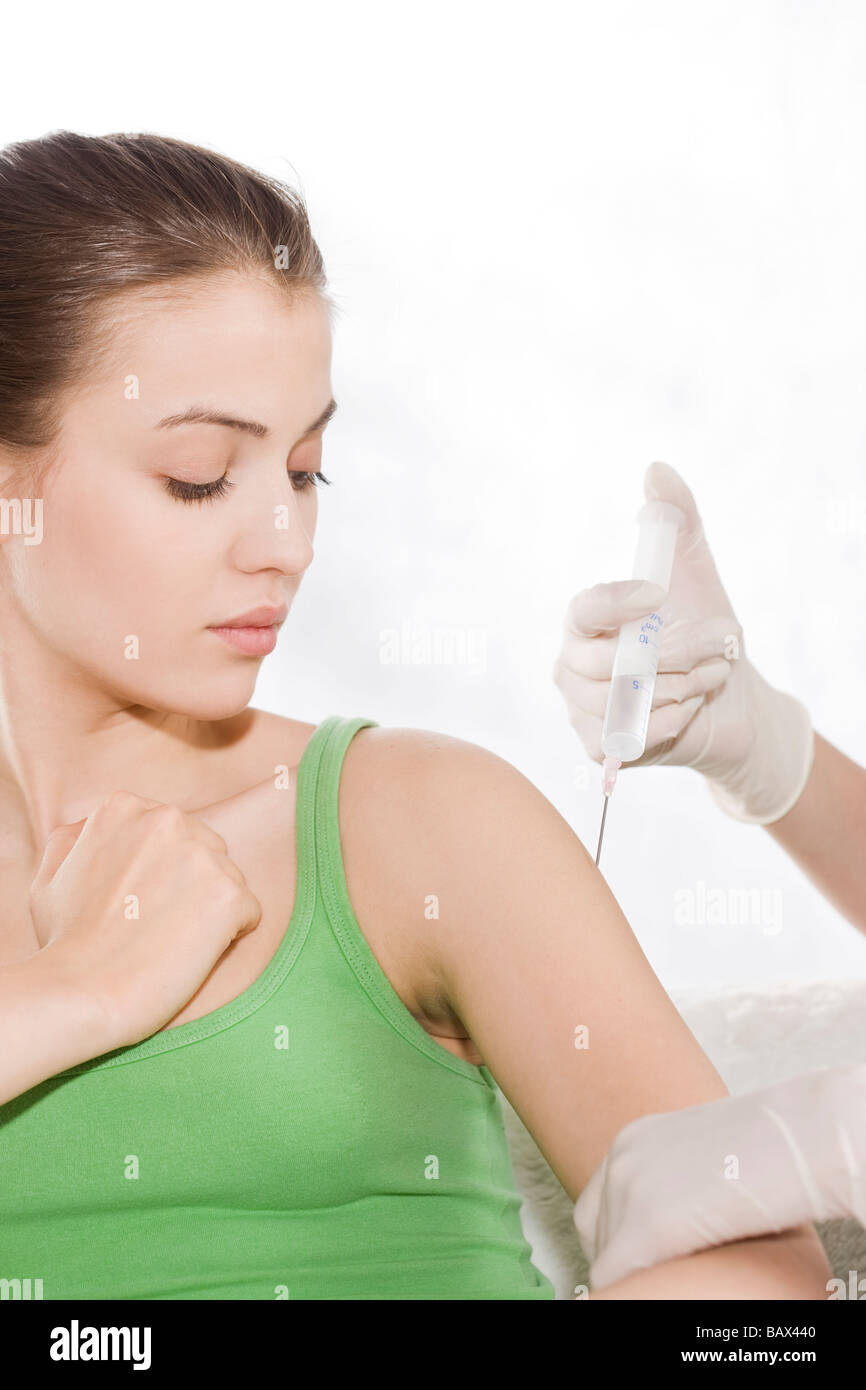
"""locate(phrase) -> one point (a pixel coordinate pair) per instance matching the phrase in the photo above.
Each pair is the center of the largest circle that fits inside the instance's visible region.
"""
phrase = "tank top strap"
(319, 795)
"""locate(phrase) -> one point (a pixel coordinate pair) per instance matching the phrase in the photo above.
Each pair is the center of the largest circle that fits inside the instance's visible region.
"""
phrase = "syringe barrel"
(637, 652)
(659, 523)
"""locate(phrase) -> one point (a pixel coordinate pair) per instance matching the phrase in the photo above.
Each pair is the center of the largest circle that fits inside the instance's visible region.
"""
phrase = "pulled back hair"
(85, 219)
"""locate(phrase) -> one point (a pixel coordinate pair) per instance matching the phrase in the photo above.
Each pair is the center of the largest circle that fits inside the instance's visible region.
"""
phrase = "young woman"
(260, 979)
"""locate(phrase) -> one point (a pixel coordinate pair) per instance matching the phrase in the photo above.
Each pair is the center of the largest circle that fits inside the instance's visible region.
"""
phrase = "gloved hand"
(712, 710)
(745, 1165)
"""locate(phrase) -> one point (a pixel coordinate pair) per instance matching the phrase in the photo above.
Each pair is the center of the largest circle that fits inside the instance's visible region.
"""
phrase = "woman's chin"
(208, 699)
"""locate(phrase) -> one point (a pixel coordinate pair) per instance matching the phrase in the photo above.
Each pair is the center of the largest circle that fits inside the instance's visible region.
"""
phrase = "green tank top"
(307, 1140)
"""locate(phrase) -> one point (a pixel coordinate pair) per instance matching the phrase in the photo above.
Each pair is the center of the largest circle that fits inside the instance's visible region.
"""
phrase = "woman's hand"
(133, 907)
(712, 710)
(747, 1165)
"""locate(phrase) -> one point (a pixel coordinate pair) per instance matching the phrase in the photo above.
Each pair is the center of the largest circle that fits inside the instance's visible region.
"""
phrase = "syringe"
(623, 735)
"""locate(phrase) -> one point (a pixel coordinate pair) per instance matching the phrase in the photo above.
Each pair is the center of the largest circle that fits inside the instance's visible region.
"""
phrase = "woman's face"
(129, 580)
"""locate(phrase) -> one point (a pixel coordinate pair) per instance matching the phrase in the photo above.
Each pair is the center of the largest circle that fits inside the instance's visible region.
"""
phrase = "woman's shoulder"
(424, 816)
(403, 751)
(420, 806)
(397, 751)
(408, 805)
(392, 775)
(414, 774)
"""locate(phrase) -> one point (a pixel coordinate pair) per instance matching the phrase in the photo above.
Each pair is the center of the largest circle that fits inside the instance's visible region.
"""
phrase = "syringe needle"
(601, 831)
(609, 768)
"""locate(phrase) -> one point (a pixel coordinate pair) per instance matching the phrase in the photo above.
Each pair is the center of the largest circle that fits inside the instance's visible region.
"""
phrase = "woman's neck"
(63, 749)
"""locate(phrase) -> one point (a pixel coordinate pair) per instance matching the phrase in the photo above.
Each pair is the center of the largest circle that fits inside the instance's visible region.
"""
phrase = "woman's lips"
(252, 641)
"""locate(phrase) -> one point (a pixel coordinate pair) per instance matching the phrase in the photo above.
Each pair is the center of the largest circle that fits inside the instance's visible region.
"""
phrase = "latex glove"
(669, 1183)
(712, 710)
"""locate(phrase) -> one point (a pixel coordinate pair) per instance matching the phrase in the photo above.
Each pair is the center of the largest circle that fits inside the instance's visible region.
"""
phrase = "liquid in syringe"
(633, 679)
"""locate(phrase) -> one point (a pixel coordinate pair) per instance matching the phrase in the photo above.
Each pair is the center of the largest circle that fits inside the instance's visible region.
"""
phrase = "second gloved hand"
(747, 1165)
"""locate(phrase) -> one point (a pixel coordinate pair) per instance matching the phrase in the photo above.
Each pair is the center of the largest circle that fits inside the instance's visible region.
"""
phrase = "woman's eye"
(205, 492)
(308, 480)
(197, 492)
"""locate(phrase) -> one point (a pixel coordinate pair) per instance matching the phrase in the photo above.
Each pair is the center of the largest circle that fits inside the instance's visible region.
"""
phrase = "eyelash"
(206, 492)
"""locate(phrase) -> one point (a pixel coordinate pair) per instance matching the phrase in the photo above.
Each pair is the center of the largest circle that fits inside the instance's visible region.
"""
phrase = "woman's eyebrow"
(202, 415)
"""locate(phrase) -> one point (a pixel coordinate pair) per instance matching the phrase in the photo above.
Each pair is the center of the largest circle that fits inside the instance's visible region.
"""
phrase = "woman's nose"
(278, 533)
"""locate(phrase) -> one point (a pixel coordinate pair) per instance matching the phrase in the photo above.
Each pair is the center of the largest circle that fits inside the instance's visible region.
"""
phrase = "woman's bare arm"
(531, 953)
(825, 831)
(46, 1024)
(791, 1265)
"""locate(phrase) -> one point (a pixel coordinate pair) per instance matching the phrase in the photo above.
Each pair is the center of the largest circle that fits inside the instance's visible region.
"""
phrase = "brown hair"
(85, 218)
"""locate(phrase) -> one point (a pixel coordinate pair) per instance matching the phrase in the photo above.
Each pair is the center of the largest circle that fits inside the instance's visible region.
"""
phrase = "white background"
(567, 239)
